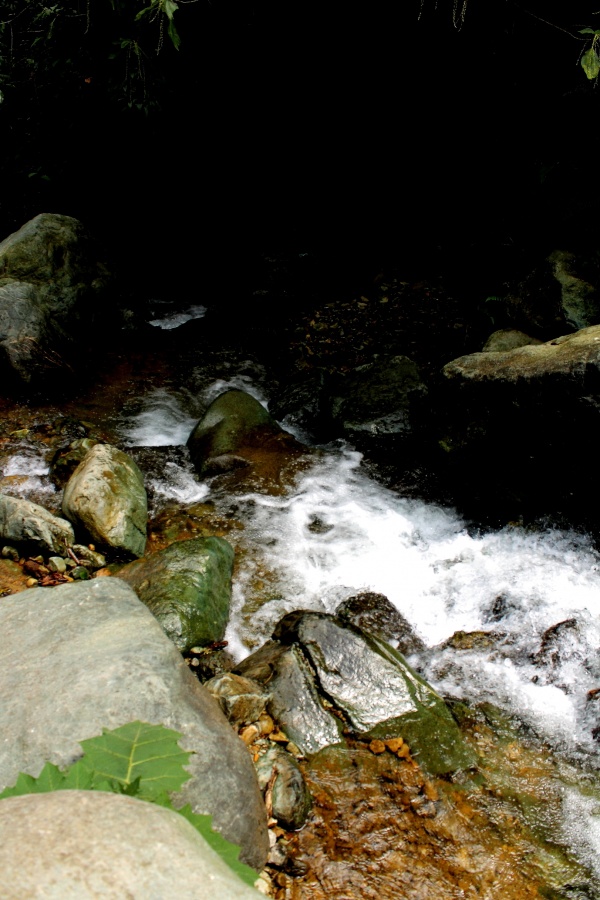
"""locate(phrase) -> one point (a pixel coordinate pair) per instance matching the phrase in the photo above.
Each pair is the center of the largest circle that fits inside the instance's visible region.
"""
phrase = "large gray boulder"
(82, 845)
(25, 522)
(106, 499)
(52, 288)
(187, 587)
(366, 682)
(82, 657)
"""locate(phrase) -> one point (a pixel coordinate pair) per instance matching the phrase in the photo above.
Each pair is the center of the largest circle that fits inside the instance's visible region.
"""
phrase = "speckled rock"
(105, 499)
(82, 845)
(23, 521)
(97, 658)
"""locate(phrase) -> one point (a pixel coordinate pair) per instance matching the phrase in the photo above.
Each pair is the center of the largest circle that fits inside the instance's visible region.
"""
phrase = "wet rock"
(301, 403)
(51, 285)
(81, 845)
(57, 564)
(377, 402)
(507, 339)
(376, 690)
(96, 658)
(187, 587)
(237, 437)
(473, 640)
(106, 499)
(295, 702)
(374, 613)
(242, 700)
(27, 523)
(321, 671)
(287, 796)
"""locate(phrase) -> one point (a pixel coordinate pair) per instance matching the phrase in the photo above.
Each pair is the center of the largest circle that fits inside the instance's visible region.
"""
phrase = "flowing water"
(536, 593)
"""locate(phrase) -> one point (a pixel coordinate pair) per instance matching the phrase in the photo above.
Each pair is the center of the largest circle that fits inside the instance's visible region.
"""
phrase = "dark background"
(366, 134)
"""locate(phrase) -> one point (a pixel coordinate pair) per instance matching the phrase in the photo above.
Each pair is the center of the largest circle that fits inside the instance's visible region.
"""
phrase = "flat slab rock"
(81, 845)
(82, 657)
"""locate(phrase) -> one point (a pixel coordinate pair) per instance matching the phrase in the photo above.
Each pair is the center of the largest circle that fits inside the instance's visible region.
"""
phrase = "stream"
(535, 593)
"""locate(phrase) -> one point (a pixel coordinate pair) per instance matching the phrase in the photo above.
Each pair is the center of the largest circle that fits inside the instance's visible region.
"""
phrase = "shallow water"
(337, 532)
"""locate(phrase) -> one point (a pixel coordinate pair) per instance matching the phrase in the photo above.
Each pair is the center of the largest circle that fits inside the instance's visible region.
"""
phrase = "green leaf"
(49, 779)
(169, 7)
(78, 777)
(228, 852)
(173, 34)
(591, 63)
(588, 31)
(138, 750)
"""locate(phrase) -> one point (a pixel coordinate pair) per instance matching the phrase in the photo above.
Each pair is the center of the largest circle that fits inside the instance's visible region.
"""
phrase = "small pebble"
(249, 734)
(57, 564)
(394, 744)
(377, 747)
(31, 582)
(80, 573)
(9, 552)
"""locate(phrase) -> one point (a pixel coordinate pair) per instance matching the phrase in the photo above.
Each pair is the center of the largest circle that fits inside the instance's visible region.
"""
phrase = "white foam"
(162, 421)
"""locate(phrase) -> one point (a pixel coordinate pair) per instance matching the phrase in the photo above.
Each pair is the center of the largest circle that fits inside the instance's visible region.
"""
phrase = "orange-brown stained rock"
(372, 836)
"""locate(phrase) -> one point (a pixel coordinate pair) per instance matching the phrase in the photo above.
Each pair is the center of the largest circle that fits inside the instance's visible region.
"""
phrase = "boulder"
(106, 499)
(81, 845)
(26, 522)
(237, 436)
(374, 613)
(295, 703)
(187, 587)
(51, 288)
(368, 684)
(82, 657)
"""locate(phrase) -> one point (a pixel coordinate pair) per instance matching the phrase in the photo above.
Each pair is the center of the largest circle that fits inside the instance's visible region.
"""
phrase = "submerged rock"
(81, 845)
(106, 498)
(95, 659)
(27, 522)
(51, 282)
(187, 587)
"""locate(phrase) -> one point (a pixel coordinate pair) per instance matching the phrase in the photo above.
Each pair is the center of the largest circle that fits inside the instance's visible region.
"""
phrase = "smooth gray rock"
(187, 587)
(21, 520)
(295, 702)
(105, 497)
(375, 689)
(52, 291)
(82, 845)
(83, 657)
